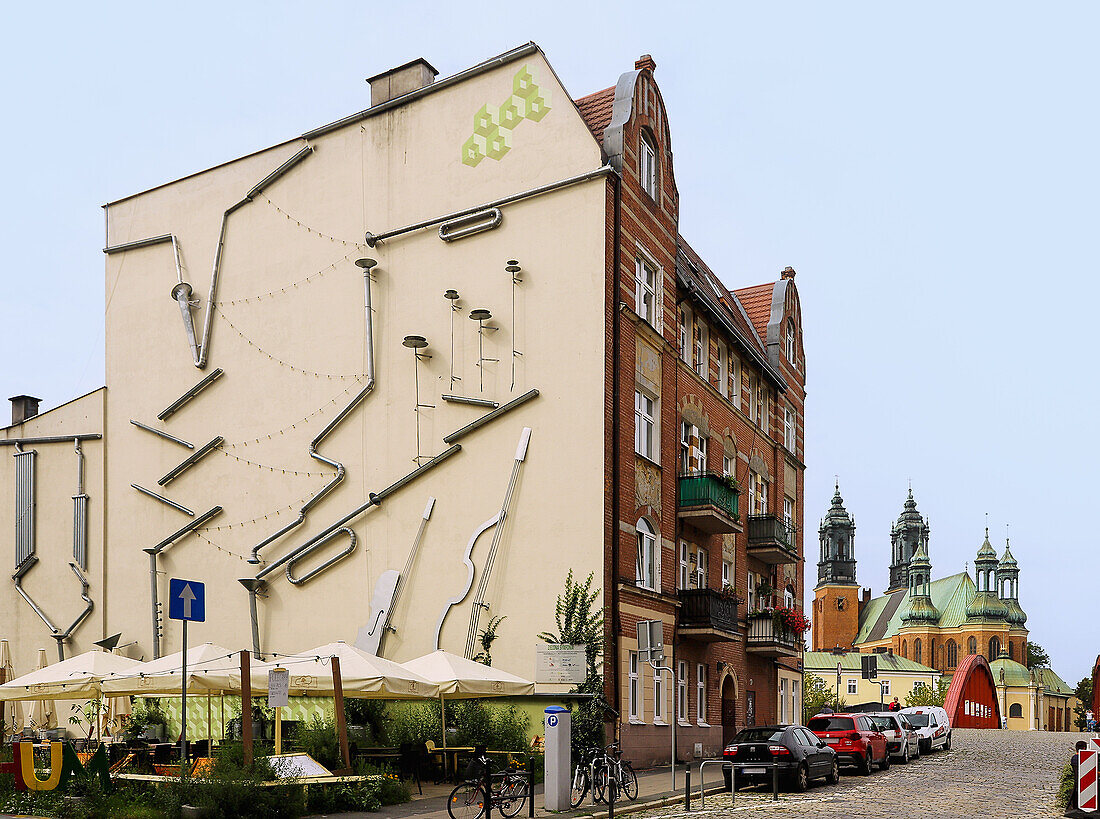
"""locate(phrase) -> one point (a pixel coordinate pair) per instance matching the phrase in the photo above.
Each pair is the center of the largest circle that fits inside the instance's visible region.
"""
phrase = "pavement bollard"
(775, 782)
(687, 789)
(610, 795)
(488, 792)
(531, 788)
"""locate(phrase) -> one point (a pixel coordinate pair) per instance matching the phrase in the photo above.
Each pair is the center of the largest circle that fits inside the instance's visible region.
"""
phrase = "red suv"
(855, 739)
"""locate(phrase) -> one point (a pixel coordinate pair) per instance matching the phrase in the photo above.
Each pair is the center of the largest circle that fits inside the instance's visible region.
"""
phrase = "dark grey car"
(800, 755)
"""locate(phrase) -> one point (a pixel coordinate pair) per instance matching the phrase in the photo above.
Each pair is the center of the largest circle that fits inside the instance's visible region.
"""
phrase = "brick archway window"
(916, 651)
(952, 654)
(904, 649)
(994, 647)
(972, 646)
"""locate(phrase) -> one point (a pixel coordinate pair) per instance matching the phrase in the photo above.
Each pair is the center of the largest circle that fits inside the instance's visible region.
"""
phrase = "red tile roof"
(757, 301)
(596, 111)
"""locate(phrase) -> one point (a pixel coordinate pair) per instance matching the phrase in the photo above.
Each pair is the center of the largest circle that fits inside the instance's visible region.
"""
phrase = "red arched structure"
(972, 696)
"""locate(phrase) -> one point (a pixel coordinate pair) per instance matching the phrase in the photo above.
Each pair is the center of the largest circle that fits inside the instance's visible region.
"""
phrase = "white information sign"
(278, 688)
(560, 663)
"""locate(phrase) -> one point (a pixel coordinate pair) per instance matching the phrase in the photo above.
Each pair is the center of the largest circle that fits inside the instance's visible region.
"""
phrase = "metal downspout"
(254, 557)
(616, 619)
(156, 603)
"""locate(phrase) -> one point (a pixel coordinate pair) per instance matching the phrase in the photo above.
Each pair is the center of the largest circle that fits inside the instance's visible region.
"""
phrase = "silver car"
(902, 740)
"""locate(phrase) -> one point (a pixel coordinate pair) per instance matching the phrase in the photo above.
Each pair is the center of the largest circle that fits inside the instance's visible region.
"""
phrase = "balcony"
(707, 502)
(706, 616)
(767, 640)
(771, 540)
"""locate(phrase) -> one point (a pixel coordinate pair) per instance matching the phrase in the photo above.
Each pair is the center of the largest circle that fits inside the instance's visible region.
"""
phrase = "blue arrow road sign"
(186, 600)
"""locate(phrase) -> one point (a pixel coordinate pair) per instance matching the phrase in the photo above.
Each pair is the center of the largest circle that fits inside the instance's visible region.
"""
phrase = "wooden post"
(246, 706)
(341, 724)
(278, 730)
(4, 727)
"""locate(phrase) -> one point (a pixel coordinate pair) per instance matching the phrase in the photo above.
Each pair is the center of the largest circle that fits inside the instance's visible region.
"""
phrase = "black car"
(801, 756)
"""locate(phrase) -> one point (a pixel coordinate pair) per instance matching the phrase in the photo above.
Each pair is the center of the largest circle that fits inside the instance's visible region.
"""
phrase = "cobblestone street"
(985, 774)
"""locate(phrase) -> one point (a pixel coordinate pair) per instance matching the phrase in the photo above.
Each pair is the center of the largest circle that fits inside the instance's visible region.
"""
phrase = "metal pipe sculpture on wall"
(254, 557)
(386, 591)
(479, 598)
(469, 564)
(516, 272)
(59, 635)
(161, 433)
(452, 298)
(469, 225)
(182, 291)
(24, 505)
(417, 344)
(175, 406)
(80, 513)
(255, 585)
(481, 316)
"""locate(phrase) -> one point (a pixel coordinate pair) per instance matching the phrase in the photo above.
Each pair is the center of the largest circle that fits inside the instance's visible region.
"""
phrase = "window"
(735, 380)
(723, 378)
(788, 514)
(700, 350)
(972, 646)
(645, 425)
(701, 688)
(796, 709)
(916, 650)
(682, 692)
(752, 592)
(885, 688)
(788, 428)
(658, 697)
(684, 570)
(635, 690)
(685, 334)
(693, 449)
(646, 568)
(904, 649)
(788, 597)
(701, 569)
(994, 648)
(762, 417)
(952, 654)
(1011, 650)
(758, 494)
(1016, 710)
(753, 396)
(727, 574)
(727, 465)
(917, 685)
(645, 292)
(853, 686)
(647, 166)
(790, 341)
(783, 701)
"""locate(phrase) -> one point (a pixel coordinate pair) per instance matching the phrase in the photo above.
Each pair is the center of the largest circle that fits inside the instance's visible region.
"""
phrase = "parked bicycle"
(509, 792)
(607, 774)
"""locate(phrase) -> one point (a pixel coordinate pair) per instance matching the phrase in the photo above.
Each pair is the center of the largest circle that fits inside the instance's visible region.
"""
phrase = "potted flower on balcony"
(730, 594)
(790, 621)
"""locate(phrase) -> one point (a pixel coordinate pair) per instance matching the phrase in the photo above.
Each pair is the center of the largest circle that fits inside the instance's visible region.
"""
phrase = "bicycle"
(611, 772)
(509, 794)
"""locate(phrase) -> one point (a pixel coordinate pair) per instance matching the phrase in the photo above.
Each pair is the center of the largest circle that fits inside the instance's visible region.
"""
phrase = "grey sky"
(931, 172)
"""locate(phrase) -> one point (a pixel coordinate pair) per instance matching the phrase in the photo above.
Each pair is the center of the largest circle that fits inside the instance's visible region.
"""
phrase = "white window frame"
(727, 466)
(693, 459)
(788, 598)
(700, 350)
(885, 688)
(685, 572)
(790, 428)
(646, 280)
(796, 700)
(634, 686)
(790, 341)
(853, 686)
(701, 689)
(702, 565)
(645, 425)
(645, 563)
(658, 699)
(752, 592)
(727, 573)
(647, 165)
(754, 396)
(783, 701)
(758, 494)
(682, 693)
(735, 380)
(723, 377)
(762, 415)
(788, 512)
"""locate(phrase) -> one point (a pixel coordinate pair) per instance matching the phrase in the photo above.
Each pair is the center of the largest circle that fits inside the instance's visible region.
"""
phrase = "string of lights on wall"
(290, 287)
(275, 513)
(199, 534)
(279, 361)
(314, 231)
(257, 465)
(304, 420)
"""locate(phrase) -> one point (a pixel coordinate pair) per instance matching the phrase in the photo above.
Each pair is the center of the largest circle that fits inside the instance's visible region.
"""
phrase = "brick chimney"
(404, 79)
(788, 273)
(644, 62)
(23, 407)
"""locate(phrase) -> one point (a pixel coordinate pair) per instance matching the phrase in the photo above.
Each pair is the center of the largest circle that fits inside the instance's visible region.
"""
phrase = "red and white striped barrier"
(1086, 780)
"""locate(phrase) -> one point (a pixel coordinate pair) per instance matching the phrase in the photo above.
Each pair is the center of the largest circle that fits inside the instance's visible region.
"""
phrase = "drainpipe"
(616, 620)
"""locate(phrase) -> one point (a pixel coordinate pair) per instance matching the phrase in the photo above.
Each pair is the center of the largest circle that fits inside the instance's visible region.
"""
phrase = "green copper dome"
(1015, 615)
(921, 610)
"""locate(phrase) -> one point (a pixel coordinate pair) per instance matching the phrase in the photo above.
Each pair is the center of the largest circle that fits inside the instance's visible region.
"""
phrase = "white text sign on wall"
(559, 663)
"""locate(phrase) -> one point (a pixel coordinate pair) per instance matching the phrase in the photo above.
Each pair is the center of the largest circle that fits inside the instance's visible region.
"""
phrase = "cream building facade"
(898, 676)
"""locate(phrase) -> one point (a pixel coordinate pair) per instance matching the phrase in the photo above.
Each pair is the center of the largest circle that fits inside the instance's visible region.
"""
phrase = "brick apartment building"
(704, 384)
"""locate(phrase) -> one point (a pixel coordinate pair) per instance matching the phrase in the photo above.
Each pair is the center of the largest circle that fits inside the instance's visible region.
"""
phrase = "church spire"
(906, 536)
(986, 605)
(921, 608)
(837, 533)
(1008, 587)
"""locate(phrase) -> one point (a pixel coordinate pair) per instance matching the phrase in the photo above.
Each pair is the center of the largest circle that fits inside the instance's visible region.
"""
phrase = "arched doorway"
(729, 710)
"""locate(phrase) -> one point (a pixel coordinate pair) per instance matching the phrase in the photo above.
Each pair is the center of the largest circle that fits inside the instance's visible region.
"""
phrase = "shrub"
(1065, 787)
(317, 737)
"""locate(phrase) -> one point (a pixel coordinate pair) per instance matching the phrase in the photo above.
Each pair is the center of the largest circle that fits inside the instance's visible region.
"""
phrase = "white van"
(932, 726)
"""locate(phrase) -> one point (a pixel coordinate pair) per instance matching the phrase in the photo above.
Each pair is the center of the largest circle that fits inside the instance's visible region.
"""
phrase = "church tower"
(836, 596)
(1008, 589)
(906, 536)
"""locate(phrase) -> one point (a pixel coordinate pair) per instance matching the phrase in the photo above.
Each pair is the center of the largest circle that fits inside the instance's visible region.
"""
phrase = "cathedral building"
(936, 622)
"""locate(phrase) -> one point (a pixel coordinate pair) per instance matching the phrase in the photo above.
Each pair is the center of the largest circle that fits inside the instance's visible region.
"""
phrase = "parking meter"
(556, 764)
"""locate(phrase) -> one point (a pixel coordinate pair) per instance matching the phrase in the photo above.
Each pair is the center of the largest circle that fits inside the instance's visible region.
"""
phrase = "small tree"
(1037, 656)
(817, 695)
(486, 638)
(1084, 695)
(580, 622)
(926, 695)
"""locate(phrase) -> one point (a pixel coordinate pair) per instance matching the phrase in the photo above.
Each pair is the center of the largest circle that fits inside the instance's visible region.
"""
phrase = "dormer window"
(647, 166)
(790, 341)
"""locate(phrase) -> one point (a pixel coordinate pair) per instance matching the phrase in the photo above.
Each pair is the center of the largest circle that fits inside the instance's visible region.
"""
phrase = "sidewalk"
(654, 788)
